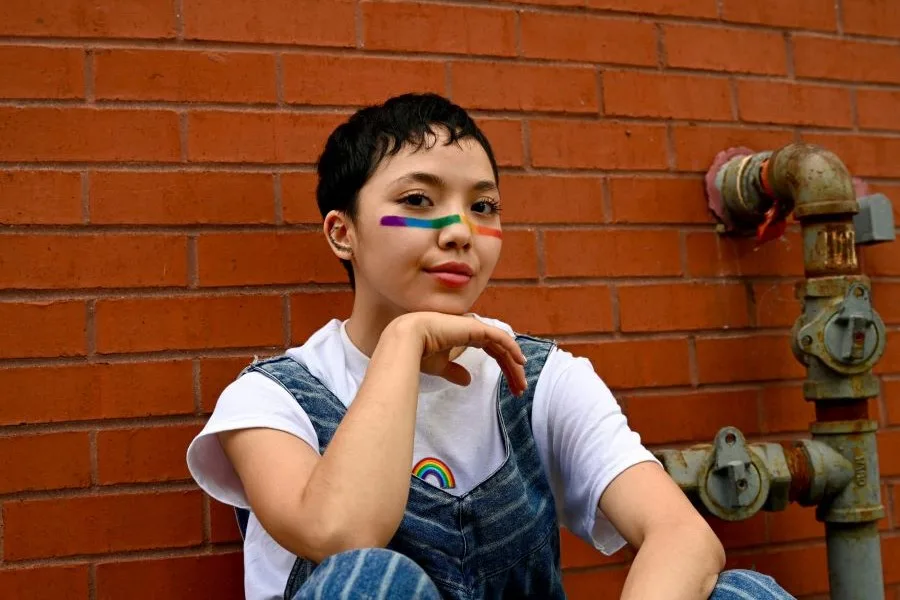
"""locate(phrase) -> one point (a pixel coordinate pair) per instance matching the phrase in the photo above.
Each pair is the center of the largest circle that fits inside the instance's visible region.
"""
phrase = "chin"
(447, 304)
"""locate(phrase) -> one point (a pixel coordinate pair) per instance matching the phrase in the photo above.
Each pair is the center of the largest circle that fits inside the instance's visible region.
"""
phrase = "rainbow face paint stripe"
(440, 223)
(436, 469)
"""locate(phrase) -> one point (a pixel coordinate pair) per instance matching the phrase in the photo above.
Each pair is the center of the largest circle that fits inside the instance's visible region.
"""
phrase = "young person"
(507, 436)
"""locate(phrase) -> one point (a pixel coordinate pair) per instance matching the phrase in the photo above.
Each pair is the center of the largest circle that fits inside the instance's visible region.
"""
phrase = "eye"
(486, 206)
(417, 200)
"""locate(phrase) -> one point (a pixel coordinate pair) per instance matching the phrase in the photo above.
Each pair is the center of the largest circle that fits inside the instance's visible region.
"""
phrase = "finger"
(495, 335)
(456, 373)
(513, 371)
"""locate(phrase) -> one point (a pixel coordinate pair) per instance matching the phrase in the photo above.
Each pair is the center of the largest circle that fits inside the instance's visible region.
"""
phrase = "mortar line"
(178, 7)
(278, 198)
(193, 265)
(196, 386)
(85, 197)
(279, 79)
(89, 94)
(90, 327)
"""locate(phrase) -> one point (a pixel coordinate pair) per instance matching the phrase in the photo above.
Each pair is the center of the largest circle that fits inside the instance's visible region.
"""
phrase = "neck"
(367, 321)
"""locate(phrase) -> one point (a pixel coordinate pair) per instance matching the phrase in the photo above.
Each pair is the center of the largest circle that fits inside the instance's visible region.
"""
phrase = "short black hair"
(356, 148)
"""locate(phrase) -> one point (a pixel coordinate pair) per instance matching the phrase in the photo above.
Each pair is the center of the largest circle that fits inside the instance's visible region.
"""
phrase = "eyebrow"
(484, 185)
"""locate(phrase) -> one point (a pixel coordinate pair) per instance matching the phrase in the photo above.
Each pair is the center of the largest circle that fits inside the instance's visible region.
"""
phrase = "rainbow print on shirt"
(437, 470)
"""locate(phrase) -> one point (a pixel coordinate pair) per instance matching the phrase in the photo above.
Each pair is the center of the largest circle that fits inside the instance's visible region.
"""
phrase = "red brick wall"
(156, 154)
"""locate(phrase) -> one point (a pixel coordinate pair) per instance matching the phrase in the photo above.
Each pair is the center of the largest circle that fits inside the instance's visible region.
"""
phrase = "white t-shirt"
(581, 435)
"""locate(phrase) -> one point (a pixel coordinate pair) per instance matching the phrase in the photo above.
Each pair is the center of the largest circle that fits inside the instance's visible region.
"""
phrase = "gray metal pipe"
(854, 561)
(838, 338)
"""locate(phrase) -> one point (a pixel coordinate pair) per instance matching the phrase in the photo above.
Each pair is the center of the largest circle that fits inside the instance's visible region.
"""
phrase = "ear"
(339, 233)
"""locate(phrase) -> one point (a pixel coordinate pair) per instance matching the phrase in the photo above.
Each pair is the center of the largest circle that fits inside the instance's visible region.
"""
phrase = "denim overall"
(499, 540)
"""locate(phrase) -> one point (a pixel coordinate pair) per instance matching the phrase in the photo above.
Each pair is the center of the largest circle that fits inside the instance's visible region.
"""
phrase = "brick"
(92, 261)
(181, 198)
(519, 258)
(696, 145)
(576, 553)
(886, 298)
(725, 49)
(549, 310)
(775, 304)
(178, 578)
(184, 76)
(260, 137)
(684, 8)
(878, 109)
(871, 17)
(794, 104)
(101, 524)
(889, 453)
(505, 137)
(298, 198)
(584, 38)
(895, 490)
(890, 392)
(87, 134)
(260, 259)
(605, 253)
(45, 461)
(864, 155)
(35, 72)
(890, 552)
(144, 454)
(585, 585)
(846, 60)
(416, 27)
(551, 199)
(88, 18)
(304, 22)
(801, 14)
(711, 255)
(746, 358)
(739, 534)
(784, 409)
(96, 391)
(38, 329)
(631, 363)
(46, 583)
(890, 360)
(800, 570)
(509, 86)
(793, 524)
(40, 198)
(223, 523)
(682, 306)
(574, 144)
(148, 324)
(310, 312)
(670, 418)
(215, 375)
(310, 79)
(657, 200)
(632, 94)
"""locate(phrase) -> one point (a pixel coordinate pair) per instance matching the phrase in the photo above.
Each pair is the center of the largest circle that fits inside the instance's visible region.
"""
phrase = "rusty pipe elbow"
(814, 179)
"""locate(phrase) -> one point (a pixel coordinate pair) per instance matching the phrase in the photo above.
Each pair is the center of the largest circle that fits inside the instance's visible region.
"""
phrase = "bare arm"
(312, 505)
(679, 557)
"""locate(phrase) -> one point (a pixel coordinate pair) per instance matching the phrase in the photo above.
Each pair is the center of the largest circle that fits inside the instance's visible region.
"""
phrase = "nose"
(457, 235)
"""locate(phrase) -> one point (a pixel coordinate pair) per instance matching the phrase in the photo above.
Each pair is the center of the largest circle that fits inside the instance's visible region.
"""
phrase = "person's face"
(413, 268)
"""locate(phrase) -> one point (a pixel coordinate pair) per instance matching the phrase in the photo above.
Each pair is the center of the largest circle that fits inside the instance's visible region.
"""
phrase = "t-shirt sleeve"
(585, 439)
(253, 400)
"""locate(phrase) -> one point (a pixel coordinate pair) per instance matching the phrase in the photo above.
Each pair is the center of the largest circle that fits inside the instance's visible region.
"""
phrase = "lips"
(452, 274)
(453, 268)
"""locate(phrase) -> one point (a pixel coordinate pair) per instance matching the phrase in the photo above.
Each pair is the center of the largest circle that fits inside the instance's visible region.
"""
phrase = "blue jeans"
(377, 573)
